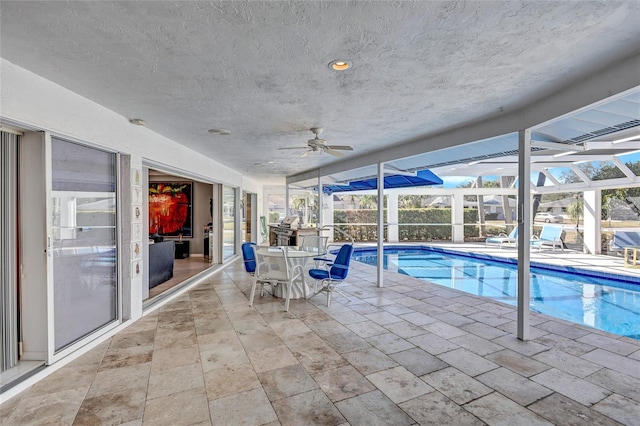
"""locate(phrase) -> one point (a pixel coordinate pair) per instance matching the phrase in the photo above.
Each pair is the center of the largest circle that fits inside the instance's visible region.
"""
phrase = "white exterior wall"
(31, 102)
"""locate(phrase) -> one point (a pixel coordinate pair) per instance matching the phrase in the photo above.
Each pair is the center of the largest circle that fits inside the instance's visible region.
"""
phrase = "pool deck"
(409, 353)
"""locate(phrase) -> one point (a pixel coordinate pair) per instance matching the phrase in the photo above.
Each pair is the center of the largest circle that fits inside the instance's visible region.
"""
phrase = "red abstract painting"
(170, 209)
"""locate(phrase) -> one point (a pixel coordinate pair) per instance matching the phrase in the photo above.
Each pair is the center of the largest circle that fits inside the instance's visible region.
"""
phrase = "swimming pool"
(610, 303)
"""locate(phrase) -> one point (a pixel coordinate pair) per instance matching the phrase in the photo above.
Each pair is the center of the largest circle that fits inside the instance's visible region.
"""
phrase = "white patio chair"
(273, 268)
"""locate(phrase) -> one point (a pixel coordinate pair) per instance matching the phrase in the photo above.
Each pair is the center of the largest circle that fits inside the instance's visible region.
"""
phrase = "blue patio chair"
(503, 238)
(622, 239)
(336, 273)
(550, 236)
(249, 257)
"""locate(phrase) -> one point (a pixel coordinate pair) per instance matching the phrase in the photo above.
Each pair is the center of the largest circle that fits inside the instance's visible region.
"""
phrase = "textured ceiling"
(260, 69)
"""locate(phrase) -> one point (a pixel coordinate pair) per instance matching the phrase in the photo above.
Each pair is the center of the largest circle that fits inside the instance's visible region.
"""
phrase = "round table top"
(293, 251)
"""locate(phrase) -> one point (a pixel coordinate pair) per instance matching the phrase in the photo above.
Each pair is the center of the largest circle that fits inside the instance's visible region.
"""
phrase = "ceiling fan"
(316, 144)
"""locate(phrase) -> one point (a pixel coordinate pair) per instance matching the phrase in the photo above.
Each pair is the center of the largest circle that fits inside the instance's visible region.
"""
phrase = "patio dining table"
(296, 256)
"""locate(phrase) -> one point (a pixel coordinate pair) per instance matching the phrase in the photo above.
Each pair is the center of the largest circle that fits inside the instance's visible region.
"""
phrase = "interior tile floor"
(182, 269)
(409, 353)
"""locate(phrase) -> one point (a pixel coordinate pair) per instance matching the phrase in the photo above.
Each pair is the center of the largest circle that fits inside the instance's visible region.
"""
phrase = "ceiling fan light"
(137, 121)
(340, 65)
(219, 132)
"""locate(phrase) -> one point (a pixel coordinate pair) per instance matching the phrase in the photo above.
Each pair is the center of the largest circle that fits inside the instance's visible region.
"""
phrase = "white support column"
(286, 200)
(592, 213)
(457, 215)
(524, 231)
(319, 206)
(392, 216)
(327, 209)
(380, 274)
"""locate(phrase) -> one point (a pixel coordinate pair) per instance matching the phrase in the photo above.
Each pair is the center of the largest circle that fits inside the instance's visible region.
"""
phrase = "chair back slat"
(340, 267)
(271, 263)
(314, 243)
(249, 257)
(551, 233)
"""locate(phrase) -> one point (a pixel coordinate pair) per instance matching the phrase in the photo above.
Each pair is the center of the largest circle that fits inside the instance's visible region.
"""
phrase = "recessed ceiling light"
(340, 65)
(270, 162)
(219, 132)
(137, 121)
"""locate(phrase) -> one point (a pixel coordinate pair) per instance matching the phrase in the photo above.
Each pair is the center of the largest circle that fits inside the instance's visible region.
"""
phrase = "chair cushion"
(319, 274)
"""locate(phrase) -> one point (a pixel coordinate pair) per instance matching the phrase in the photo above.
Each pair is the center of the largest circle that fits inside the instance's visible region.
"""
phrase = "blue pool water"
(603, 301)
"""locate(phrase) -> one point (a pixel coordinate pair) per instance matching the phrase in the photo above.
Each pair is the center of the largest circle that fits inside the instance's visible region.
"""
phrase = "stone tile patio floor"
(409, 353)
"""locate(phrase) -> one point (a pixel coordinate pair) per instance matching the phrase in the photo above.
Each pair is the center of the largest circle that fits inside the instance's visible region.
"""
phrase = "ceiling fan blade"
(295, 147)
(341, 147)
(332, 152)
(306, 152)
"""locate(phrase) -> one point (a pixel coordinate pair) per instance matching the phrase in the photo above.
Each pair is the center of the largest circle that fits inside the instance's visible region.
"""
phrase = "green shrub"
(426, 224)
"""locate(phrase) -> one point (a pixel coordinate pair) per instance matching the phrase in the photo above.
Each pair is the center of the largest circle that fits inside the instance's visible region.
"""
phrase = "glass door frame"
(53, 355)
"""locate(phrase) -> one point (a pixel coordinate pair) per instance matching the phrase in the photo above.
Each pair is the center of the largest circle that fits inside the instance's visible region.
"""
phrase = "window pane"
(84, 236)
(229, 217)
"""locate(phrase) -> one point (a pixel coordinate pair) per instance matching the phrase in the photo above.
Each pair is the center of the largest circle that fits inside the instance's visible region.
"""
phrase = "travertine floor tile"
(175, 380)
(433, 344)
(117, 380)
(619, 408)
(124, 357)
(52, 408)
(476, 344)
(250, 408)
(286, 381)
(517, 362)
(346, 342)
(405, 329)
(570, 386)
(309, 408)
(611, 345)
(514, 386)
(369, 360)
(436, 409)
(418, 361)
(66, 378)
(390, 343)
(112, 408)
(467, 362)
(272, 358)
(366, 329)
(342, 383)
(373, 408)
(568, 363)
(165, 359)
(184, 408)
(495, 409)
(456, 385)
(616, 382)
(399, 384)
(561, 410)
(229, 381)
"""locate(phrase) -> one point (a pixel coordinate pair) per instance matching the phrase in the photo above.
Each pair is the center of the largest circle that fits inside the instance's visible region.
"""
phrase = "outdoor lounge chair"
(550, 236)
(503, 238)
(622, 239)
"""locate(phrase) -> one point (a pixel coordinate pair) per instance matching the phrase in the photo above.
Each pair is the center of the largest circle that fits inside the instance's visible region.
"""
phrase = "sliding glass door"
(9, 315)
(229, 221)
(82, 244)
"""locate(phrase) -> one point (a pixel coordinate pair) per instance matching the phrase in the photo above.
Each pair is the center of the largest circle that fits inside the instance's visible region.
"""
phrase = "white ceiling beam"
(580, 174)
(557, 146)
(550, 177)
(390, 170)
(630, 145)
(623, 167)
